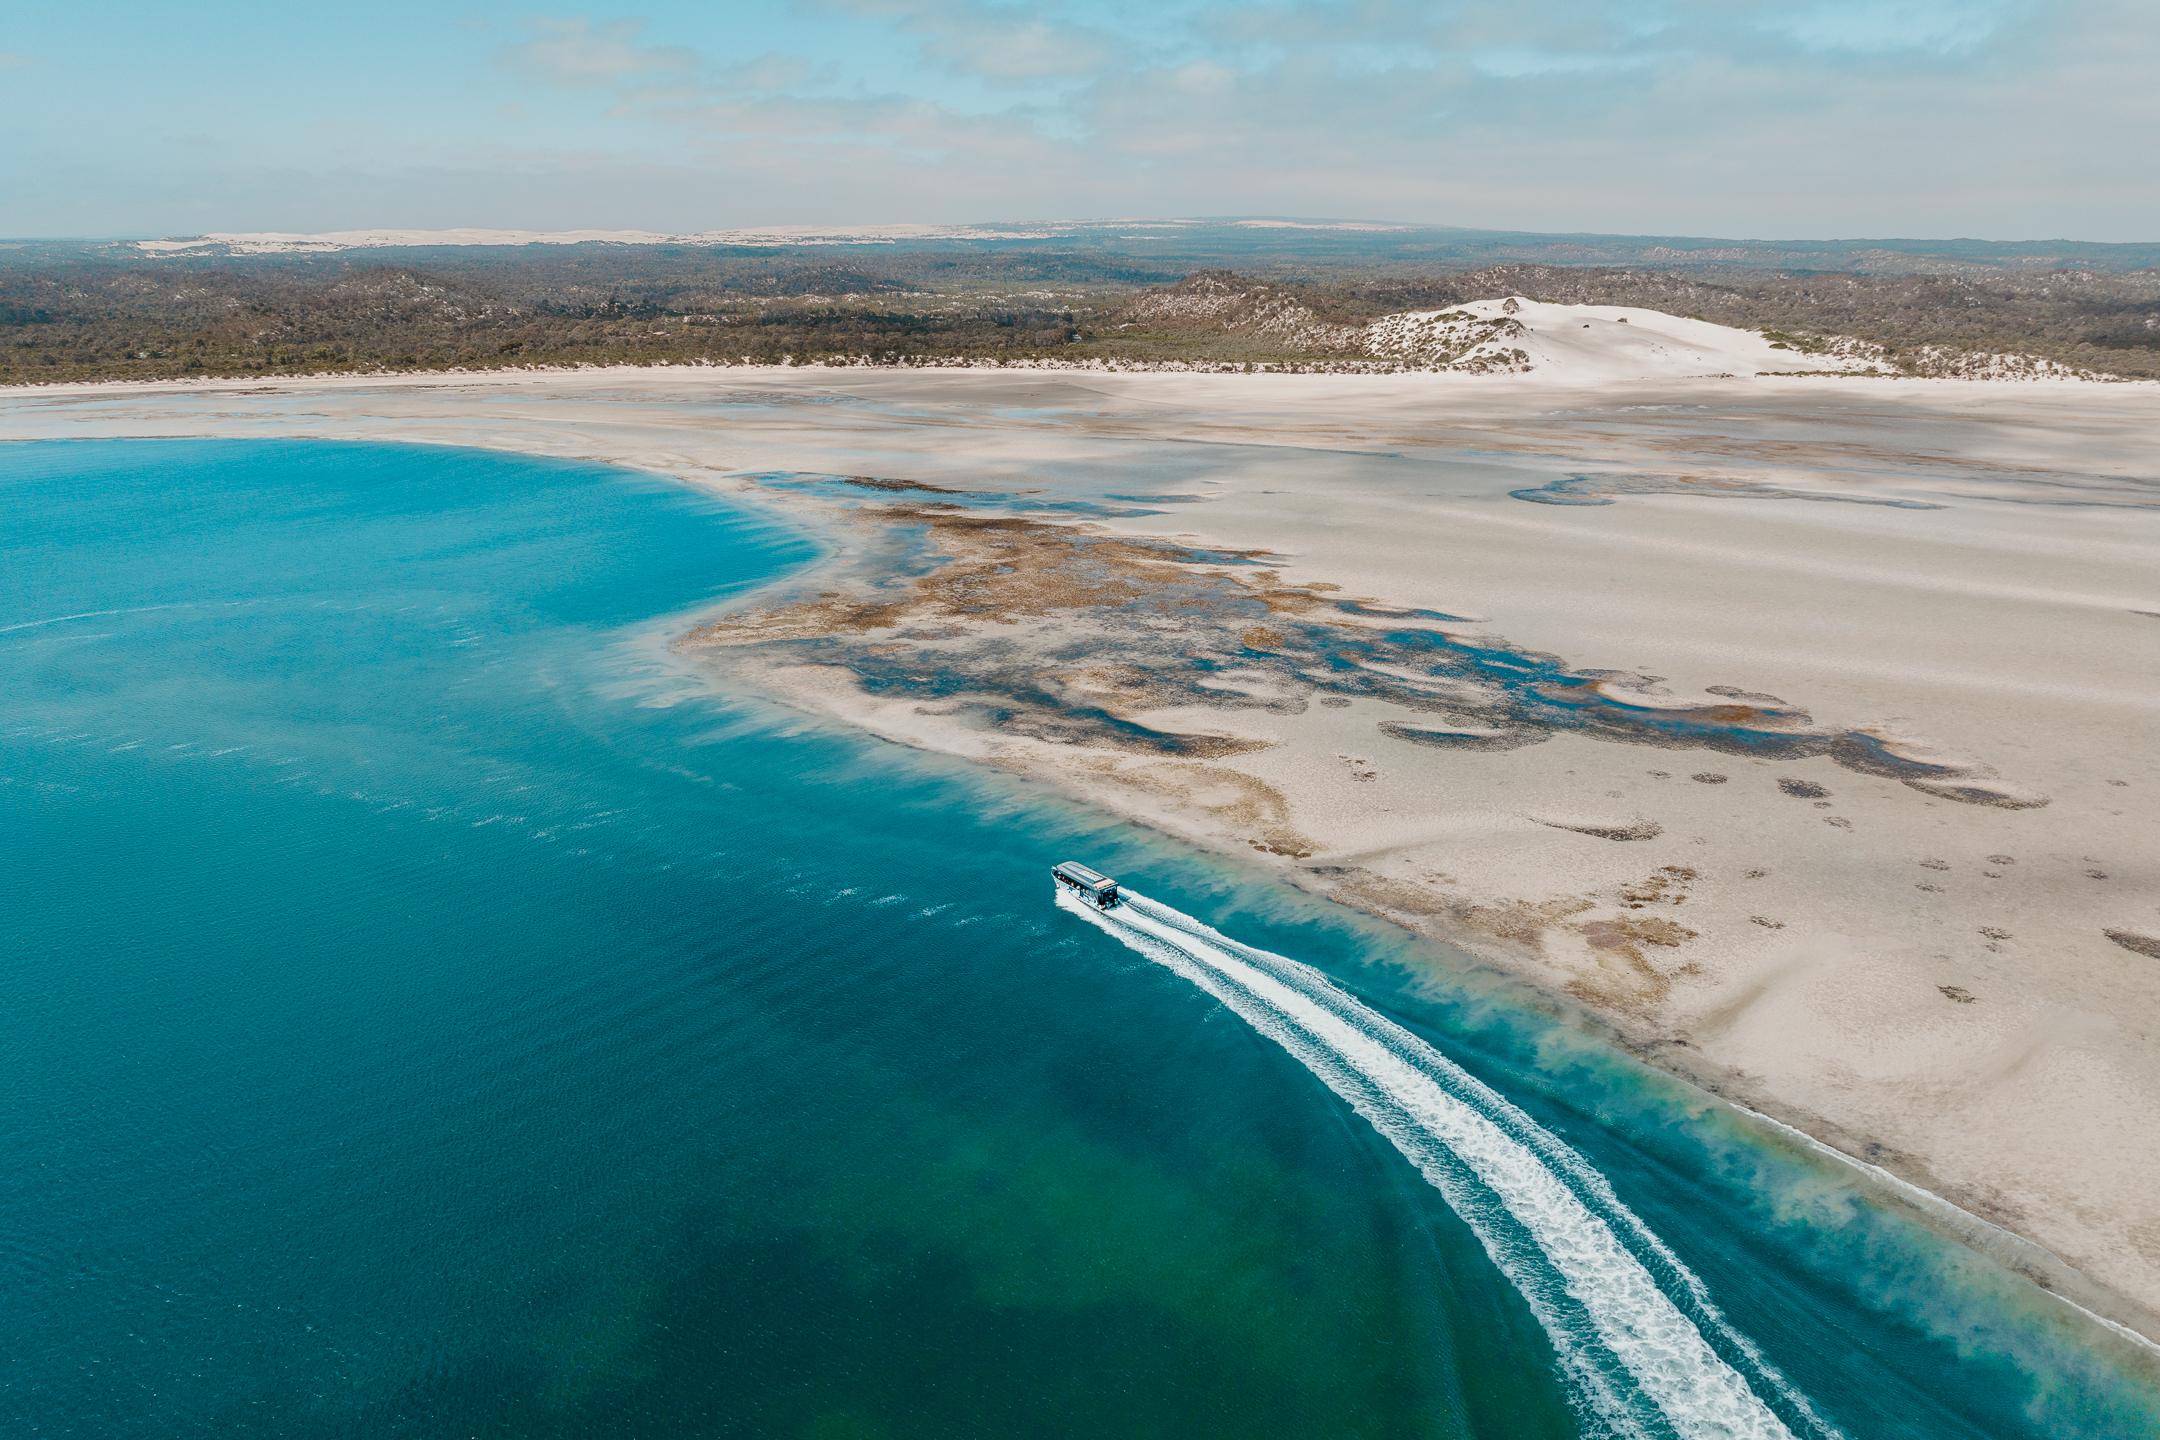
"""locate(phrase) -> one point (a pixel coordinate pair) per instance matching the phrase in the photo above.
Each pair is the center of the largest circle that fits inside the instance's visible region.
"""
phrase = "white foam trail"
(89, 614)
(1640, 1362)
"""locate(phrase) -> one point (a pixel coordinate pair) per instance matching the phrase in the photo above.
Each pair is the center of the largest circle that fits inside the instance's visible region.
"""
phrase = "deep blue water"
(428, 1010)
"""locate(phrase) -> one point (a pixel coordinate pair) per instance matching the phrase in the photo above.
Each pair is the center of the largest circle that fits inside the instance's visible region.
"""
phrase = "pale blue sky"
(2001, 119)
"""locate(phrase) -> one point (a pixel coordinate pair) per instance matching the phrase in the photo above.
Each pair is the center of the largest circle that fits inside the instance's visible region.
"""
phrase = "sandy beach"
(1800, 728)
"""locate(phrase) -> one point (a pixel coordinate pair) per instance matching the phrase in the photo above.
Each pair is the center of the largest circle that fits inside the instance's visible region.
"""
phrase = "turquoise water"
(429, 1011)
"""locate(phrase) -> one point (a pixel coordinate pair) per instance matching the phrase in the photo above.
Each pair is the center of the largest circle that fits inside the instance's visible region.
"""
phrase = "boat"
(1095, 886)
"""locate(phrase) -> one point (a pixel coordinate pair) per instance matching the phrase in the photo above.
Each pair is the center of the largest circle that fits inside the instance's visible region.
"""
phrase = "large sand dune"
(1583, 345)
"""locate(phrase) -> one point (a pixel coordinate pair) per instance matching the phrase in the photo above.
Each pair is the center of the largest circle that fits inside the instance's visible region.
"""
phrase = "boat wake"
(1638, 1339)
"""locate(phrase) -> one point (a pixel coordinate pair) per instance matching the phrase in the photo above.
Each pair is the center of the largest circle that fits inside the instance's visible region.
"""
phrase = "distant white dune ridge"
(279, 243)
(271, 242)
(1585, 343)
(1618, 344)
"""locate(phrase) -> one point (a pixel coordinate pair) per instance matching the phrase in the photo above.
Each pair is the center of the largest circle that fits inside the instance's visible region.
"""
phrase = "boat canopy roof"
(1080, 874)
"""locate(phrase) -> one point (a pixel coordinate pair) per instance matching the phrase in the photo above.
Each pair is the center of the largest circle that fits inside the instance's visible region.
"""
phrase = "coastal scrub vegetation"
(2091, 320)
(231, 318)
(87, 315)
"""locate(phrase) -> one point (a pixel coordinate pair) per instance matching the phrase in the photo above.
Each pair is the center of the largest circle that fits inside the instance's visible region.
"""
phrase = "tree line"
(78, 318)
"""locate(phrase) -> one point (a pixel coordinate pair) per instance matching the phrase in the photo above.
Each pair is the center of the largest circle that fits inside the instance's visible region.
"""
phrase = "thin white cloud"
(1517, 63)
(1002, 45)
(1762, 117)
(1882, 27)
(1568, 113)
(573, 53)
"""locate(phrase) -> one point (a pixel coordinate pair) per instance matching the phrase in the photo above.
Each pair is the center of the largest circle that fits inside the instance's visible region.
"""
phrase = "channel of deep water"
(432, 1008)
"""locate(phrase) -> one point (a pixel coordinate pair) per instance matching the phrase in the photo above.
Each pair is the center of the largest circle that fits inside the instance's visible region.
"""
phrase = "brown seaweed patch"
(871, 482)
(1020, 624)
(1241, 804)
(1599, 488)
(1655, 930)
(1484, 737)
(1055, 725)
(1637, 828)
(1522, 922)
(1100, 596)
(1621, 976)
(830, 614)
(1002, 568)
(1982, 791)
(1667, 885)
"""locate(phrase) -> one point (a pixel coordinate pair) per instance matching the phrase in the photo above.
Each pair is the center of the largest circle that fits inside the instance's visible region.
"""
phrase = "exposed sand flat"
(1804, 728)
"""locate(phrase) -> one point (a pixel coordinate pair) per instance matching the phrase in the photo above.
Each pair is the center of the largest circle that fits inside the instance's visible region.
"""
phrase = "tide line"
(1961, 1221)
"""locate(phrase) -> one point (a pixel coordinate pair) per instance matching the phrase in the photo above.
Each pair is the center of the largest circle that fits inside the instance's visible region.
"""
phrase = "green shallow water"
(431, 1011)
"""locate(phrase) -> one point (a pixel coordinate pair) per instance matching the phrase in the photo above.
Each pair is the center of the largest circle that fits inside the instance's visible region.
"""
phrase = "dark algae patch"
(1599, 489)
(1056, 632)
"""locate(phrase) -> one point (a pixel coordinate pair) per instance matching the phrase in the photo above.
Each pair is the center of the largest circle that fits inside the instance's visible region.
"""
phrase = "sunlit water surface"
(429, 1010)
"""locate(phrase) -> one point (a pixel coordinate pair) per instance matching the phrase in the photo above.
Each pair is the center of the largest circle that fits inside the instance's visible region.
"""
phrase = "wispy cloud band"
(1754, 117)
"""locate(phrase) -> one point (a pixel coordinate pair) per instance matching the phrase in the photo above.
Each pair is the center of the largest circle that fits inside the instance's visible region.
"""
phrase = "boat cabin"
(1099, 888)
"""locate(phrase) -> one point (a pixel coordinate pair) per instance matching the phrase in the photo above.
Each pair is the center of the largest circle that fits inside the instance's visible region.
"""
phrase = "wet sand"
(1801, 729)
